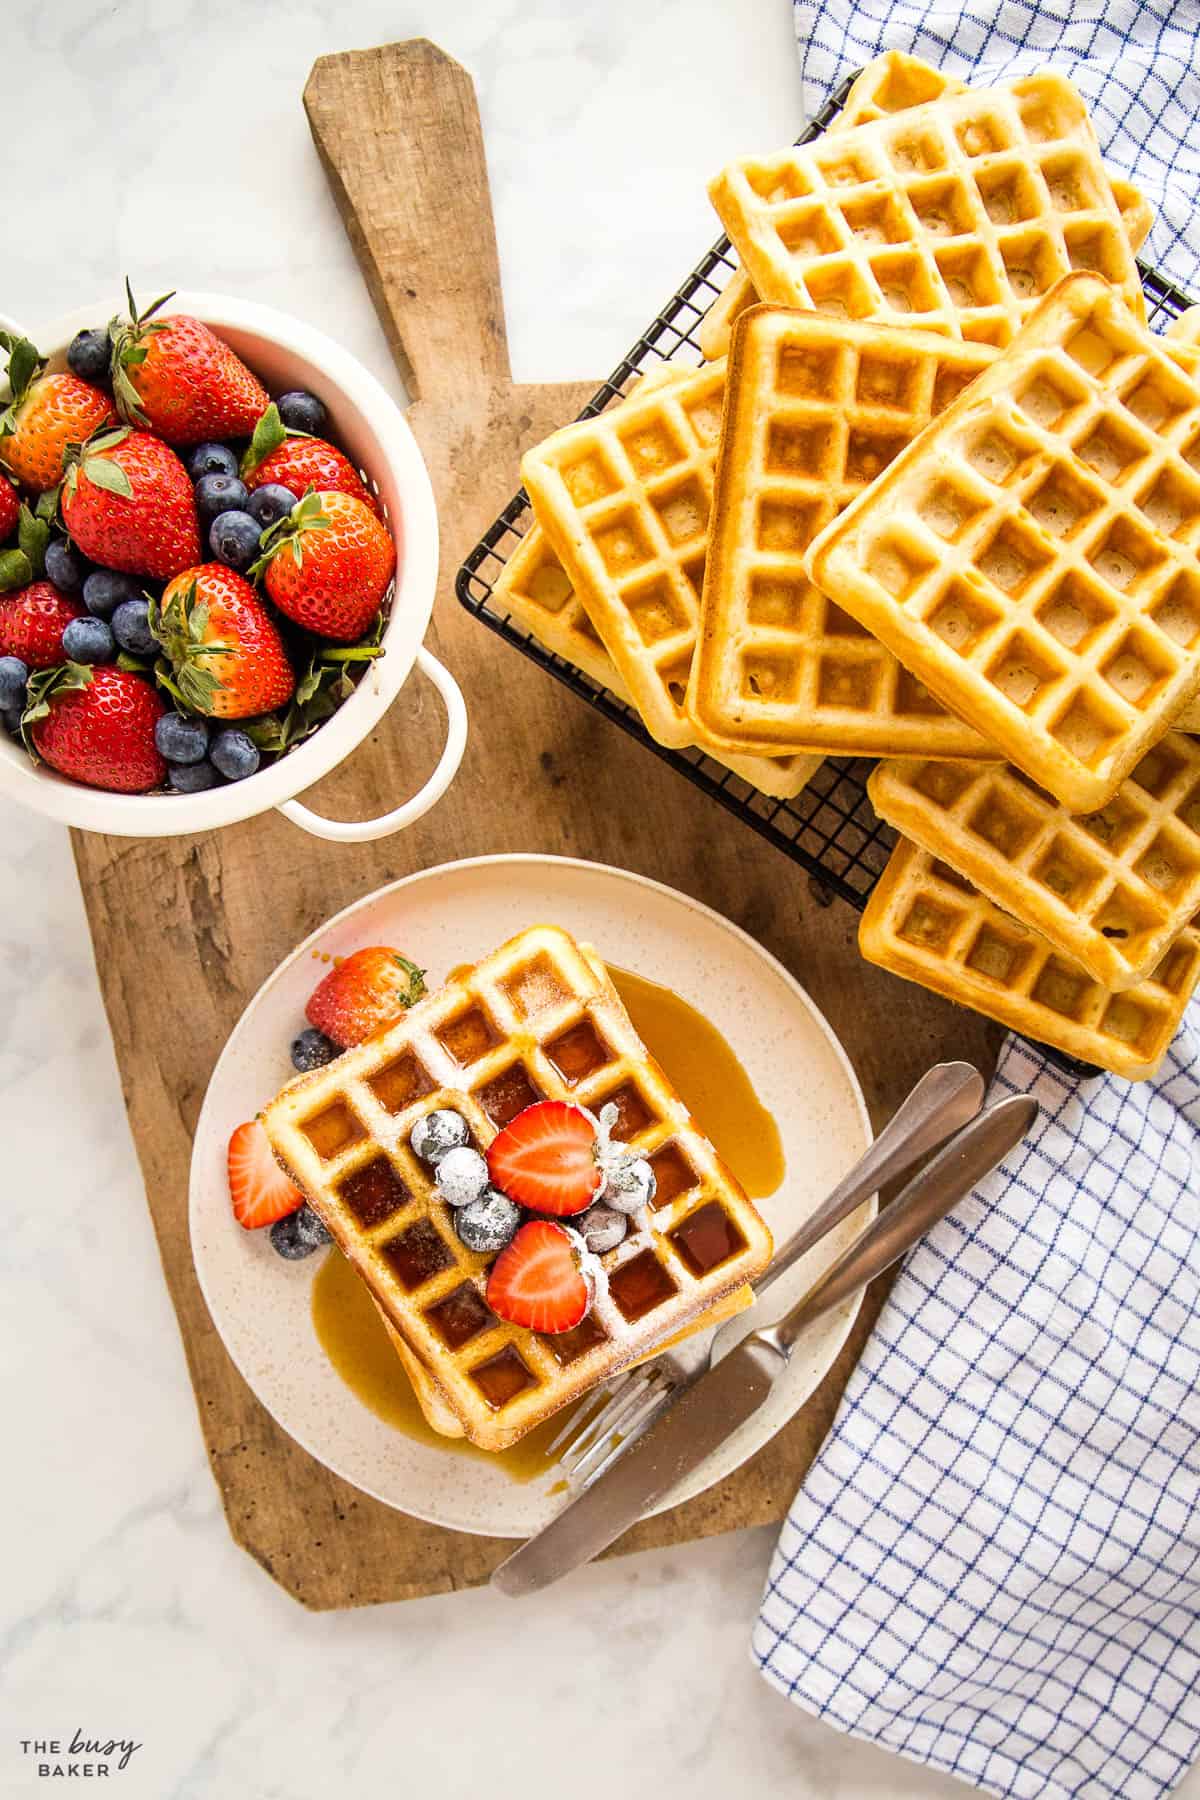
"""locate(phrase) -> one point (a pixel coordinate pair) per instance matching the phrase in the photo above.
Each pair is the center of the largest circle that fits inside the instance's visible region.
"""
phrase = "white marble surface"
(166, 138)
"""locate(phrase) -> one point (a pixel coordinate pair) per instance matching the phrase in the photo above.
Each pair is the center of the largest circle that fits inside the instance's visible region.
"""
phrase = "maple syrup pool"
(721, 1098)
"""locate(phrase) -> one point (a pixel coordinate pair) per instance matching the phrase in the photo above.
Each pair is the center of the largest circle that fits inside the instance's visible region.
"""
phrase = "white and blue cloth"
(993, 1566)
(1136, 62)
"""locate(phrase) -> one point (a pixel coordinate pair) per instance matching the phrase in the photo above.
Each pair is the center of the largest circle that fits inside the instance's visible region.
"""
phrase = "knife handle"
(928, 1197)
(945, 1098)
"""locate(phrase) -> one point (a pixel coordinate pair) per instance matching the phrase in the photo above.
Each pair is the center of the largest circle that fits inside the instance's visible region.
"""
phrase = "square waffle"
(957, 215)
(816, 408)
(892, 83)
(624, 499)
(534, 588)
(1033, 556)
(537, 1019)
(927, 923)
(1111, 890)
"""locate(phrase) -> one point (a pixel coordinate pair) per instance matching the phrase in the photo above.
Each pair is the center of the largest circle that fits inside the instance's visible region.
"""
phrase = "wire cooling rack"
(829, 827)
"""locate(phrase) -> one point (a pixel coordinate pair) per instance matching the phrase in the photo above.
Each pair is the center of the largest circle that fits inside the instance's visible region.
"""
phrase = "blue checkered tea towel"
(993, 1566)
(1137, 65)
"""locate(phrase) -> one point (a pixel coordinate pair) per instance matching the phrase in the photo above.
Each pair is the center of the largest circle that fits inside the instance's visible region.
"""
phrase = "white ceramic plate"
(454, 914)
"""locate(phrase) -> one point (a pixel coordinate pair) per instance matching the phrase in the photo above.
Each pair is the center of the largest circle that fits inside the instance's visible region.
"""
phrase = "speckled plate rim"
(258, 1303)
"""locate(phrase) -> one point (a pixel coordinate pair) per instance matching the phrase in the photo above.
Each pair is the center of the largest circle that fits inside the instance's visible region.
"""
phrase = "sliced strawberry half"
(537, 1281)
(546, 1159)
(367, 990)
(258, 1187)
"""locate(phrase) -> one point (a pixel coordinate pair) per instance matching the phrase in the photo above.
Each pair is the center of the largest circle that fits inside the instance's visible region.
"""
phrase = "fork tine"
(621, 1396)
(607, 1447)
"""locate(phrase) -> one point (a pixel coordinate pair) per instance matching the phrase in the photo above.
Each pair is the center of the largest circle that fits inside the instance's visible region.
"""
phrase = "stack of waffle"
(538, 1019)
(935, 497)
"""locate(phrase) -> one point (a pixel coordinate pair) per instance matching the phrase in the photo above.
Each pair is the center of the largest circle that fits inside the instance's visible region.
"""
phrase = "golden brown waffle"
(892, 83)
(535, 589)
(927, 923)
(958, 215)
(817, 408)
(1032, 557)
(1111, 890)
(537, 1019)
(624, 500)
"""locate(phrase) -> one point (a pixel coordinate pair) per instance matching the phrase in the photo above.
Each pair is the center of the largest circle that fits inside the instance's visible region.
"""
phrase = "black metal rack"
(829, 827)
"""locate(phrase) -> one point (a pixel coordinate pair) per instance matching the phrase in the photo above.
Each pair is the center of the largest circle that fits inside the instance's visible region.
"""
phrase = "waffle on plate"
(538, 1019)
(926, 922)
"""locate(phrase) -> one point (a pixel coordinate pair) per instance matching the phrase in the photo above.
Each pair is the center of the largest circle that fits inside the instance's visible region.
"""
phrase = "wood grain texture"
(398, 133)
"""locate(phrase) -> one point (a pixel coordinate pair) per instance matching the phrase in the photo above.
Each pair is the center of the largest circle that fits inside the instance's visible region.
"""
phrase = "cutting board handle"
(397, 130)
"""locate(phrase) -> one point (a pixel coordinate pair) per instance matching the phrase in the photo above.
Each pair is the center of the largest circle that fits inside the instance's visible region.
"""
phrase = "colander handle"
(359, 831)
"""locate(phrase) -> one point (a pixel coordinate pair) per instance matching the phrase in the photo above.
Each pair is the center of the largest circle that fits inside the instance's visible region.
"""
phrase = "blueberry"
(487, 1224)
(233, 539)
(436, 1133)
(601, 1228)
(299, 1234)
(270, 503)
(88, 355)
(10, 718)
(211, 459)
(235, 754)
(216, 494)
(462, 1176)
(312, 1050)
(302, 411)
(64, 566)
(629, 1184)
(192, 778)
(181, 740)
(131, 628)
(13, 677)
(88, 640)
(106, 589)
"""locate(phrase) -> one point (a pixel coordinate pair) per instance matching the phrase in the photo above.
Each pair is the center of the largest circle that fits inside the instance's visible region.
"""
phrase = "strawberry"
(299, 462)
(546, 1159)
(364, 992)
(226, 656)
(328, 565)
(10, 509)
(32, 622)
(536, 1281)
(45, 414)
(177, 378)
(97, 726)
(127, 503)
(258, 1187)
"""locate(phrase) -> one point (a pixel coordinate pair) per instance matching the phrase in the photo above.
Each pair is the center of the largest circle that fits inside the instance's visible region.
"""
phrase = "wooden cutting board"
(185, 929)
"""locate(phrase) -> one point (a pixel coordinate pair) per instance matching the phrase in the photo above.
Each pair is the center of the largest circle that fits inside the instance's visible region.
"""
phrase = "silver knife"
(711, 1408)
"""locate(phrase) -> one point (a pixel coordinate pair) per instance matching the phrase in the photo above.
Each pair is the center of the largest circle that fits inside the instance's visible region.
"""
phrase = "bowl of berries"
(218, 558)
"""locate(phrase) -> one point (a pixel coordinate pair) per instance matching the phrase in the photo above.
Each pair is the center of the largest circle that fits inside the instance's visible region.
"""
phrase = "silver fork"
(946, 1098)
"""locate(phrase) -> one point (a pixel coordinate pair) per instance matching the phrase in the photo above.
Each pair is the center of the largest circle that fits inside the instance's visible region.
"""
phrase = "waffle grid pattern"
(536, 590)
(538, 1019)
(1034, 558)
(1110, 890)
(829, 829)
(959, 219)
(893, 83)
(624, 498)
(817, 409)
(926, 922)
